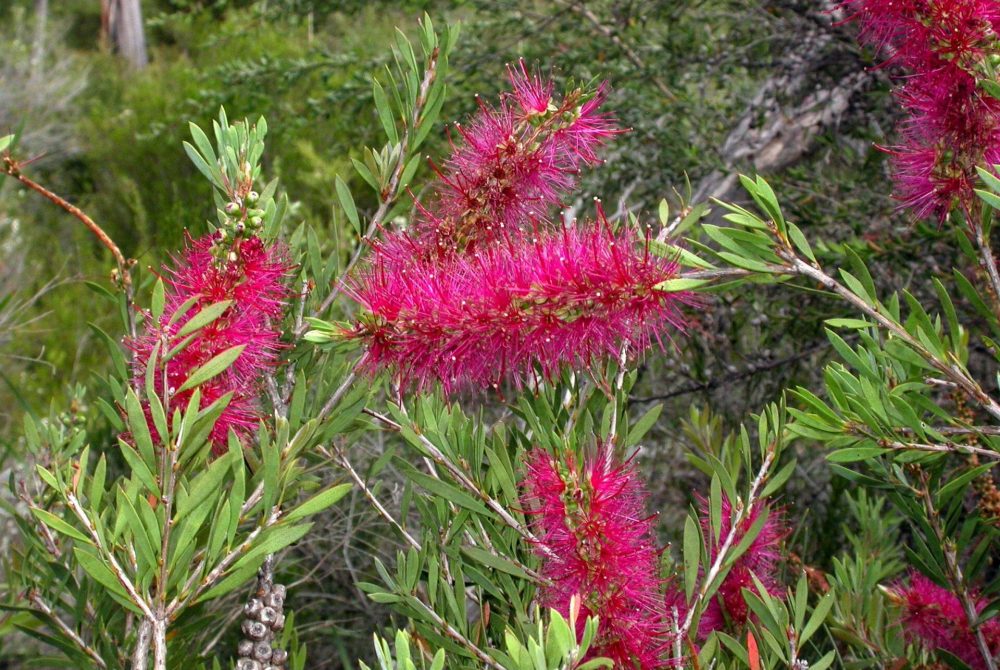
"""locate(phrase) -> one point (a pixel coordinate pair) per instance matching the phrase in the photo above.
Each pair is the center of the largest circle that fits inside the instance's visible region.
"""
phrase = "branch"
(383, 512)
(13, 168)
(723, 554)
(116, 568)
(391, 191)
(954, 572)
(37, 601)
(952, 372)
(949, 448)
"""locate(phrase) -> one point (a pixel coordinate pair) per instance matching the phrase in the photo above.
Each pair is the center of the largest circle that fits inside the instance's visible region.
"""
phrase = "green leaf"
(817, 618)
(205, 485)
(347, 202)
(212, 368)
(441, 488)
(799, 240)
(692, 554)
(319, 502)
(958, 484)
(100, 572)
(680, 284)
(848, 323)
(495, 562)
(639, 429)
(204, 317)
(59, 525)
(159, 298)
(139, 468)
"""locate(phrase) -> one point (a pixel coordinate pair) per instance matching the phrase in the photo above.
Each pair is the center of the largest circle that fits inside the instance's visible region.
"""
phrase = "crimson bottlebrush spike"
(728, 609)
(596, 542)
(761, 559)
(513, 310)
(252, 276)
(934, 617)
(511, 164)
(953, 124)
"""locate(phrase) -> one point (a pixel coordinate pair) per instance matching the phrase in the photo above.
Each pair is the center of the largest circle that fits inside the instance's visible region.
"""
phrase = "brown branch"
(953, 571)
(37, 601)
(13, 168)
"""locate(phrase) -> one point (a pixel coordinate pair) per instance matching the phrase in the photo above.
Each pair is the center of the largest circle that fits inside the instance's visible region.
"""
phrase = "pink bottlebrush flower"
(762, 559)
(596, 542)
(252, 276)
(511, 165)
(728, 609)
(531, 92)
(953, 125)
(934, 617)
(512, 310)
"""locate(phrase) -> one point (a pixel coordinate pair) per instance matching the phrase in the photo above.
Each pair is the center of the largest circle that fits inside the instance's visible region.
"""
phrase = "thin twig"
(722, 556)
(343, 461)
(124, 277)
(951, 371)
(949, 448)
(391, 191)
(116, 568)
(462, 478)
(954, 572)
(986, 260)
(37, 601)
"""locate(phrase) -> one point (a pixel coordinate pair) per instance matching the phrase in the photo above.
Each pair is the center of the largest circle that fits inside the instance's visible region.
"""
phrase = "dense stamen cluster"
(512, 164)
(513, 310)
(251, 275)
(484, 288)
(595, 542)
(953, 124)
(728, 610)
(935, 618)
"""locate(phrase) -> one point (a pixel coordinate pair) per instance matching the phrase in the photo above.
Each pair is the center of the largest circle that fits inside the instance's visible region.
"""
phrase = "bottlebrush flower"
(596, 541)
(934, 617)
(566, 297)
(511, 165)
(762, 559)
(728, 608)
(953, 125)
(252, 276)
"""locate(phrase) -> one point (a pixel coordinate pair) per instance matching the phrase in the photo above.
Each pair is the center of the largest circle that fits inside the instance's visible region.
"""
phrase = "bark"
(814, 85)
(122, 28)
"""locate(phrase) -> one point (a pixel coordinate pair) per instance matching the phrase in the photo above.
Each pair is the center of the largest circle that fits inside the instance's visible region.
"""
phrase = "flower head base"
(953, 125)
(595, 541)
(934, 617)
(514, 310)
(251, 276)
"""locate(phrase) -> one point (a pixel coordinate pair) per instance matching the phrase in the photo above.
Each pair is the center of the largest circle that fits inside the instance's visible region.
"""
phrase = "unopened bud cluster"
(243, 219)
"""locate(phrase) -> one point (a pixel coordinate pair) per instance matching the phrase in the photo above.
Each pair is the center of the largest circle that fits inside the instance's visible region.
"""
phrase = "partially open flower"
(934, 617)
(252, 276)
